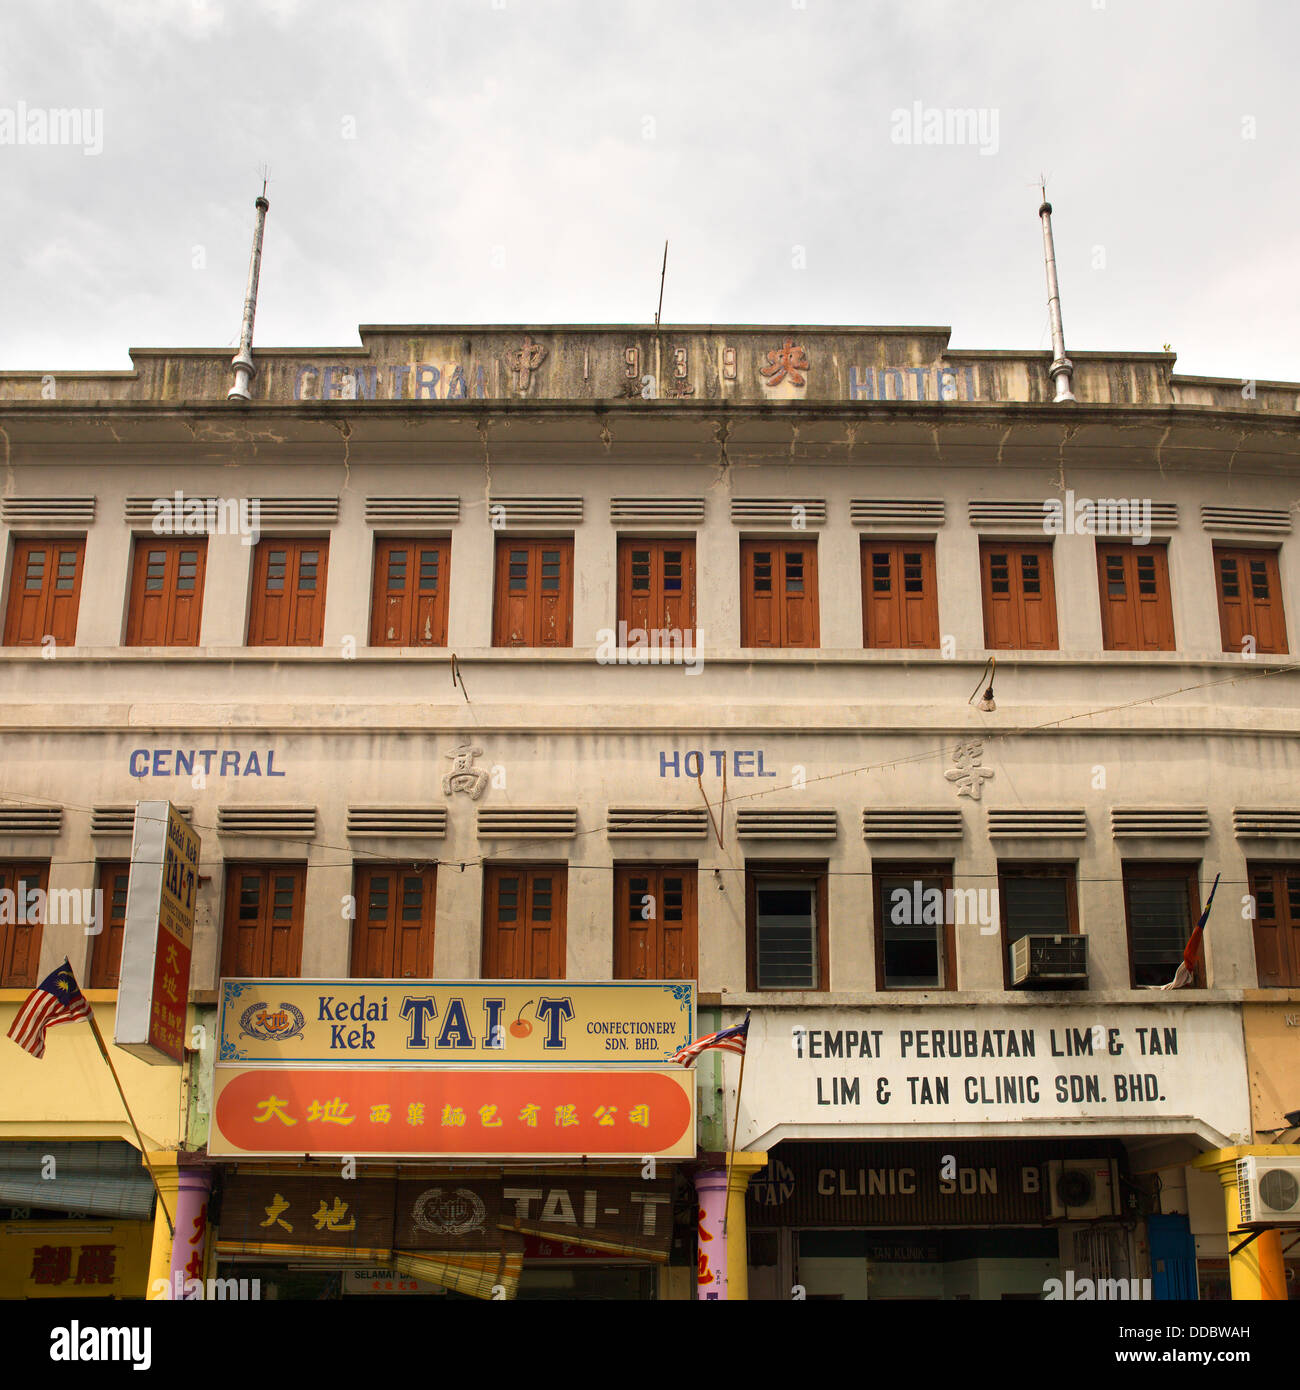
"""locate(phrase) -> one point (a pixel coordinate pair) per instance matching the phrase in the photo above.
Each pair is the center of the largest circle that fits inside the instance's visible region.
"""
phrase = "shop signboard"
(915, 1072)
(324, 1214)
(158, 936)
(537, 1023)
(463, 1112)
(74, 1259)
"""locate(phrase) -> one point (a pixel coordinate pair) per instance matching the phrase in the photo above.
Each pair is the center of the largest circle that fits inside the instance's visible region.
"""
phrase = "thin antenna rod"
(1061, 368)
(242, 362)
(662, 274)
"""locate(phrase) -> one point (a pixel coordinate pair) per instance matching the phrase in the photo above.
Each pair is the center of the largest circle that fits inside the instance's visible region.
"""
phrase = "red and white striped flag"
(1186, 973)
(55, 1000)
(728, 1040)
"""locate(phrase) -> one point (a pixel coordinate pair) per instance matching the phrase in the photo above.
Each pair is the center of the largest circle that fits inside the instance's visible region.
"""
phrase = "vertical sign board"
(159, 934)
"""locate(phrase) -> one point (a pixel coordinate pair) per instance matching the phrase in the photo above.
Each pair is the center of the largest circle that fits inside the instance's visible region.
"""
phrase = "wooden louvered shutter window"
(20, 940)
(166, 593)
(1019, 596)
(524, 922)
(900, 605)
(409, 606)
(263, 925)
(533, 605)
(44, 593)
(779, 605)
(1276, 890)
(1250, 600)
(392, 937)
(656, 587)
(288, 593)
(106, 958)
(655, 928)
(1136, 609)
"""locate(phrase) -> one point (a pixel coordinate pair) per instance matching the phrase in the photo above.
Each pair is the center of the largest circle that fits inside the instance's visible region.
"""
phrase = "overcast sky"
(522, 161)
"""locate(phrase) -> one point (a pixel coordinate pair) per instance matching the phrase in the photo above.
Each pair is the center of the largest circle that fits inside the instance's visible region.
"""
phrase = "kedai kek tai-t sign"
(407, 1068)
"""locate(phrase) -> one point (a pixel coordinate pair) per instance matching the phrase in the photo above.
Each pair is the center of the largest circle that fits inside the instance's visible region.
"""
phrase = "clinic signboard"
(158, 936)
(910, 1072)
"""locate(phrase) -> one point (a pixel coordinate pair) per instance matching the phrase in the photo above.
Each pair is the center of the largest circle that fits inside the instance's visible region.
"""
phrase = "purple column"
(189, 1246)
(711, 1271)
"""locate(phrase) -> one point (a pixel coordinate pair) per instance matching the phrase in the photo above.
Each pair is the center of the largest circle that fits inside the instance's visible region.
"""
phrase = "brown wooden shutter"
(166, 593)
(20, 942)
(288, 593)
(533, 605)
(1250, 599)
(106, 958)
(392, 937)
(779, 605)
(409, 607)
(1136, 608)
(263, 925)
(524, 922)
(655, 923)
(44, 593)
(656, 586)
(1276, 890)
(900, 606)
(1019, 596)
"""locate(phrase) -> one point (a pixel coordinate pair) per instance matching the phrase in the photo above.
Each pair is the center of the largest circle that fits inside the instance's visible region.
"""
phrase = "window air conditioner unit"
(1082, 1189)
(1269, 1191)
(1049, 960)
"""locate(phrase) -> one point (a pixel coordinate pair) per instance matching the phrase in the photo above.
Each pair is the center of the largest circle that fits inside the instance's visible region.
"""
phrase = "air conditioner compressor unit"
(1082, 1189)
(1047, 961)
(1269, 1192)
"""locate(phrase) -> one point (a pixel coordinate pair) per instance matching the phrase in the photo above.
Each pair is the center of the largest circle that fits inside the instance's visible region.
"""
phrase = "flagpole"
(144, 1153)
(735, 1125)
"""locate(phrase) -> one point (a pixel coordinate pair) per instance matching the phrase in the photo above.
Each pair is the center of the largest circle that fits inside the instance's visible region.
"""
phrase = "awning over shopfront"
(93, 1178)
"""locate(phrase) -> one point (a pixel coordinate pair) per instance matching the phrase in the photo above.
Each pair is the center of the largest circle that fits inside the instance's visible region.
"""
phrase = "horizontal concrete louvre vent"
(31, 820)
(1164, 516)
(911, 823)
(1265, 823)
(412, 511)
(529, 822)
(1253, 521)
(772, 823)
(141, 511)
(200, 515)
(928, 513)
(120, 820)
(298, 511)
(276, 821)
(657, 823)
(62, 511)
(530, 510)
(1162, 822)
(656, 511)
(1038, 824)
(1017, 512)
(778, 511)
(420, 821)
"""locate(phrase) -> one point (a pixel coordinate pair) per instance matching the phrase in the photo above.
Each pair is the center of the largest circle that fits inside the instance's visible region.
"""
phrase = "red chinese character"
(51, 1264)
(785, 360)
(200, 1225)
(97, 1264)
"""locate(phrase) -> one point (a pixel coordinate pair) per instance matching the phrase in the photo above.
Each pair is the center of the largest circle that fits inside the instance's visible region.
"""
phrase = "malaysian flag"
(1186, 972)
(729, 1040)
(55, 1000)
